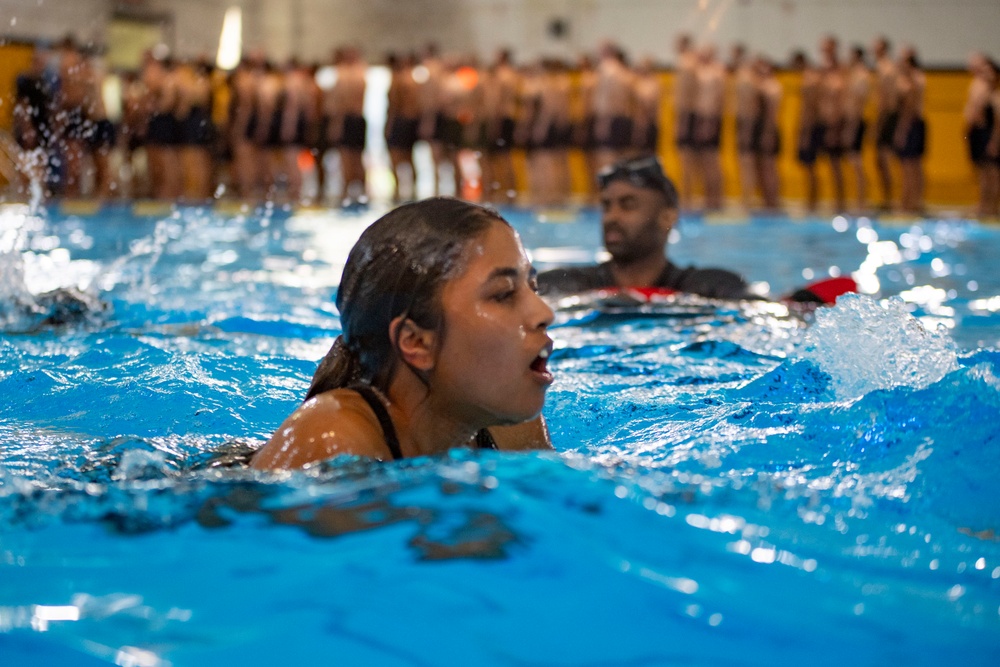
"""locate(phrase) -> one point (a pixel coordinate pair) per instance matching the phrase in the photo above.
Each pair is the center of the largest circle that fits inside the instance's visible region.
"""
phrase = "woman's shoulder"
(327, 425)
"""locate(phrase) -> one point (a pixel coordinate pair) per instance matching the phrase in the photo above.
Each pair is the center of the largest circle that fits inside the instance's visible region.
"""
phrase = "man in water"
(639, 207)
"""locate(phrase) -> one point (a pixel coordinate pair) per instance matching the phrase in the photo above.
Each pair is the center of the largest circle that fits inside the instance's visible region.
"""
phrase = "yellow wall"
(14, 59)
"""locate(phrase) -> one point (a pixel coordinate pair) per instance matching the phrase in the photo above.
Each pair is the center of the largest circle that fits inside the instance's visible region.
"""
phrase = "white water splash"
(865, 344)
(14, 293)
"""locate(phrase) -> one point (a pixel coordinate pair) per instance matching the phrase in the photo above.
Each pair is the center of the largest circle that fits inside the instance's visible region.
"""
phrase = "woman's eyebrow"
(503, 272)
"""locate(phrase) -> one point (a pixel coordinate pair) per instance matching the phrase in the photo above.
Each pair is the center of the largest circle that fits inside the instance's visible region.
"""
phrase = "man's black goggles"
(643, 172)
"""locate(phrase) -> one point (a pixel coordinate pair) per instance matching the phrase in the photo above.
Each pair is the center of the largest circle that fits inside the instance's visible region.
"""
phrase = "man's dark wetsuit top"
(710, 283)
(484, 440)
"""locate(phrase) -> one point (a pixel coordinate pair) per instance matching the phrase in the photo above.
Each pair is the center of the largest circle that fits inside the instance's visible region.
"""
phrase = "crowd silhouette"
(186, 131)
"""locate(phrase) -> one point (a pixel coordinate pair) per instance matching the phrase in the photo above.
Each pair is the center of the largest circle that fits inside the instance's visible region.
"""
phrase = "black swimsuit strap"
(382, 414)
(484, 439)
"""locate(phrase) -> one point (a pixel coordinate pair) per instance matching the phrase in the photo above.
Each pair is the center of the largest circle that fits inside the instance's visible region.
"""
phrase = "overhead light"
(231, 39)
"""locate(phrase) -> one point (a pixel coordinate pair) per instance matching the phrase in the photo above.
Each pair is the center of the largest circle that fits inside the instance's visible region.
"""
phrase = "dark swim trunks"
(831, 139)
(858, 139)
(979, 137)
(708, 133)
(650, 139)
(402, 133)
(810, 140)
(196, 129)
(684, 132)
(103, 135)
(355, 128)
(162, 130)
(915, 142)
(885, 129)
(711, 283)
(619, 134)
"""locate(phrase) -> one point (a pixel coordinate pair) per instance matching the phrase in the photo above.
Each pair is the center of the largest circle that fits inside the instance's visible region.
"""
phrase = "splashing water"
(14, 294)
(865, 344)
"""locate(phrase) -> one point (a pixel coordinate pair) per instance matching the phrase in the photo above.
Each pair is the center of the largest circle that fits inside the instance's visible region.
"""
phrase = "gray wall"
(944, 31)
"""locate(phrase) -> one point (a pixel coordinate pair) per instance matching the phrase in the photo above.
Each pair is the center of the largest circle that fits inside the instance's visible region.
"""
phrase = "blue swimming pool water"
(733, 484)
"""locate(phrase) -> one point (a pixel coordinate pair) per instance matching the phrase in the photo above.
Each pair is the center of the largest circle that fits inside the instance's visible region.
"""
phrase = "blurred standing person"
(583, 119)
(401, 124)
(708, 104)
(747, 109)
(498, 115)
(136, 111)
(530, 104)
(316, 140)
(911, 133)
(100, 134)
(71, 119)
(993, 144)
(886, 116)
(830, 106)
(32, 120)
(648, 96)
(856, 94)
(243, 120)
(550, 133)
(451, 130)
(432, 77)
(614, 106)
(810, 132)
(162, 131)
(979, 121)
(196, 129)
(268, 107)
(348, 124)
(685, 91)
(298, 122)
(767, 131)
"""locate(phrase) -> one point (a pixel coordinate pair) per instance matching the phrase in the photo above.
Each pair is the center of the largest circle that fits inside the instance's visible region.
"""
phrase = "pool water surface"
(732, 483)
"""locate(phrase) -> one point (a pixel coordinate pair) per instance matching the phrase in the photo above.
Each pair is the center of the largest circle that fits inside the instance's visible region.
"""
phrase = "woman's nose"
(545, 315)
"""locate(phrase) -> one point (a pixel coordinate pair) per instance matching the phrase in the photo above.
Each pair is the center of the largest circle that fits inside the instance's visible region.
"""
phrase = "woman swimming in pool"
(444, 344)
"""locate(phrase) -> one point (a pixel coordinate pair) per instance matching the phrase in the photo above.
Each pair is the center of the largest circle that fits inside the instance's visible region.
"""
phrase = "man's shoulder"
(571, 279)
(709, 282)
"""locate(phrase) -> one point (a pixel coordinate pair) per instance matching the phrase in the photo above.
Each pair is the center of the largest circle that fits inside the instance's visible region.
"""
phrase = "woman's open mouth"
(540, 365)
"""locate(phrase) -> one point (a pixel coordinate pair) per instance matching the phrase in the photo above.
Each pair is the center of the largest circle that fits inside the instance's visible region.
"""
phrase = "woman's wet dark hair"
(397, 268)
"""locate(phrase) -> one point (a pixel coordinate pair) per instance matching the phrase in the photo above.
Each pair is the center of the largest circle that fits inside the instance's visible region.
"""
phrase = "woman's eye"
(505, 295)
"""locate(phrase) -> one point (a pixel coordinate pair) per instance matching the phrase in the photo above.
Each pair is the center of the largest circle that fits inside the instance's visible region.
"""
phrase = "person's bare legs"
(992, 184)
(689, 166)
(884, 169)
(712, 170)
(812, 187)
(837, 173)
(748, 179)
(860, 181)
(769, 184)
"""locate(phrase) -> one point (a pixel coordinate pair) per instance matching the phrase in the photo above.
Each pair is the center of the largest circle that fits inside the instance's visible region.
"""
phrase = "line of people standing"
(254, 131)
(834, 95)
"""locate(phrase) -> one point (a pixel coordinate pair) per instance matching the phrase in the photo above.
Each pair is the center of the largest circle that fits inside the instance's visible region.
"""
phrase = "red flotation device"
(820, 292)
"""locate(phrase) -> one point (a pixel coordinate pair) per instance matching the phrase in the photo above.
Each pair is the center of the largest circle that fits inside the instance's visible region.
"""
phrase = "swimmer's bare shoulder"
(529, 435)
(332, 423)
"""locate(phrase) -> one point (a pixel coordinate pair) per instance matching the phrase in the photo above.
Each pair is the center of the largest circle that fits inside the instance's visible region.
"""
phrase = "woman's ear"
(416, 345)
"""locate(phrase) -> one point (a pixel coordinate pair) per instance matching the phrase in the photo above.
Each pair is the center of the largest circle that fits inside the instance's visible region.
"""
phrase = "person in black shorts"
(394, 385)
(639, 207)
(910, 139)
